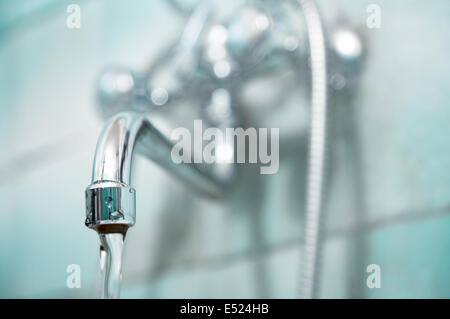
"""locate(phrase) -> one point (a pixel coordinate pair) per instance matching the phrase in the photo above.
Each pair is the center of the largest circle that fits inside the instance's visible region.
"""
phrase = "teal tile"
(414, 260)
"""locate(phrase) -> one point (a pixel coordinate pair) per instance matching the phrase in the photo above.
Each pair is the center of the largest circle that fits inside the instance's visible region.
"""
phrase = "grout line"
(226, 260)
(44, 155)
(231, 258)
(396, 220)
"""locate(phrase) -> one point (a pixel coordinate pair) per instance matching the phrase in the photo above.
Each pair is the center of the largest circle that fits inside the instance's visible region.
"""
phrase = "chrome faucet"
(110, 199)
(218, 58)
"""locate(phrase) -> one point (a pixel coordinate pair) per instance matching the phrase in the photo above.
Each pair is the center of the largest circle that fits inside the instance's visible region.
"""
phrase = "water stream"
(111, 248)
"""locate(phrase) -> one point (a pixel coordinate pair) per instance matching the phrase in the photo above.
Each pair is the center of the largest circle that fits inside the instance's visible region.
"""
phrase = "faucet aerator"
(110, 206)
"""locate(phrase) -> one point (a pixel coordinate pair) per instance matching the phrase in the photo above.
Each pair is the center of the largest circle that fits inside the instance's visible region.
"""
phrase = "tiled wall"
(391, 210)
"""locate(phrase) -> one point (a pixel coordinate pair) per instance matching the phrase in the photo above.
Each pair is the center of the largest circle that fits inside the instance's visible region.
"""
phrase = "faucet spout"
(110, 199)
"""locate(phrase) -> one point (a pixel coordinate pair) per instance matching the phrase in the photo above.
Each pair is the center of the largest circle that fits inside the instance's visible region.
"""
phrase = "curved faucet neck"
(110, 199)
(115, 148)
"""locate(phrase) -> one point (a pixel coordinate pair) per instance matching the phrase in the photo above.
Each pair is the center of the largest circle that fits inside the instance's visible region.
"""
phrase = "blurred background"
(388, 197)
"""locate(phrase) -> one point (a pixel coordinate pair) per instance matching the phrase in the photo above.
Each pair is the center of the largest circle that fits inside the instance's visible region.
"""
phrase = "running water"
(111, 247)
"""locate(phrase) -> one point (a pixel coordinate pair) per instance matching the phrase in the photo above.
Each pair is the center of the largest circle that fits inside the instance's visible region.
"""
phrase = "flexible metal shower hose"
(317, 152)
